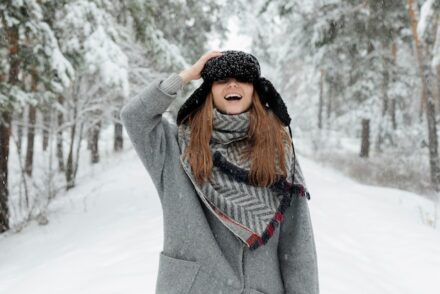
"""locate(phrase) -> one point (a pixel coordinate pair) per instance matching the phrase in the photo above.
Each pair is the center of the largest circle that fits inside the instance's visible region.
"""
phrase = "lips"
(233, 96)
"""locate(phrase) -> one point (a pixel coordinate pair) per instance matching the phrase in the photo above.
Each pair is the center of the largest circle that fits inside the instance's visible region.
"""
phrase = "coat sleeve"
(296, 247)
(145, 126)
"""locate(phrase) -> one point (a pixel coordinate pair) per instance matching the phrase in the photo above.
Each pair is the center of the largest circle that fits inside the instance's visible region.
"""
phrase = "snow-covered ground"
(106, 234)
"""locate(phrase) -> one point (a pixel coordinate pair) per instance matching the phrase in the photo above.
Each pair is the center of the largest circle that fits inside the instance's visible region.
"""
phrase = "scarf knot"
(227, 128)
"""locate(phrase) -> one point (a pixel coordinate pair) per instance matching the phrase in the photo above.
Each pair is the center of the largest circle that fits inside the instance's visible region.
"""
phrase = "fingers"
(212, 53)
(205, 57)
(193, 73)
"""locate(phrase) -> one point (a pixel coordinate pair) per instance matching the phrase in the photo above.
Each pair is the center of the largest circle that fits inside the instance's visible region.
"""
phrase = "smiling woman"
(234, 199)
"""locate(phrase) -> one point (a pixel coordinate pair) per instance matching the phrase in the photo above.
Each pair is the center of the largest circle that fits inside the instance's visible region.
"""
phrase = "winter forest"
(78, 213)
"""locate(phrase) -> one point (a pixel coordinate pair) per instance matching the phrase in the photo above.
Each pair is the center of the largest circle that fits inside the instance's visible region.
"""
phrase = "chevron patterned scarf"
(250, 212)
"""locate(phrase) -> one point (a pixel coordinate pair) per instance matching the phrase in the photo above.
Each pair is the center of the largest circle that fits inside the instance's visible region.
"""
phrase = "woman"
(234, 200)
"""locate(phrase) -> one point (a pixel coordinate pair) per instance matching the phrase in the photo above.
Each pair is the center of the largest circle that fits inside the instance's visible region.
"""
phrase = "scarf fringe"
(281, 186)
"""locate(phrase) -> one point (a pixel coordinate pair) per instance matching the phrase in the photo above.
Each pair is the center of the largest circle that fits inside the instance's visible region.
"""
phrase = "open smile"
(233, 96)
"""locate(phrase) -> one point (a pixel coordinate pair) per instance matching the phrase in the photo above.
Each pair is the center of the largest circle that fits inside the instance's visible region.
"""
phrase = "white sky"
(235, 40)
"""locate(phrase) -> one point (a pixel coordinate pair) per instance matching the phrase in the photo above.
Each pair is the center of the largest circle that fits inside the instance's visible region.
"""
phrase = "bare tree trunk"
(321, 98)
(20, 119)
(365, 141)
(419, 52)
(60, 150)
(385, 106)
(70, 178)
(427, 101)
(31, 129)
(5, 126)
(46, 126)
(433, 143)
(78, 149)
(5, 132)
(69, 164)
(30, 139)
(94, 142)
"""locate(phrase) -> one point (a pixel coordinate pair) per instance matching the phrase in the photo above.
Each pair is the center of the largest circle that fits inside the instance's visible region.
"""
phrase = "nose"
(232, 81)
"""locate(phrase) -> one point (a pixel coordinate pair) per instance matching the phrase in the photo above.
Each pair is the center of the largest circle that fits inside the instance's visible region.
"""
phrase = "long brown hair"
(266, 138)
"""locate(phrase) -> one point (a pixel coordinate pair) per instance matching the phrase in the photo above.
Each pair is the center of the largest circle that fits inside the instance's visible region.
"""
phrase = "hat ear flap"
(194, 101)
(269, 95)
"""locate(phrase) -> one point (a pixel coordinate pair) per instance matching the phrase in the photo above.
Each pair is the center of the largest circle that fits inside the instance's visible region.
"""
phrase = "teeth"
(232, 95)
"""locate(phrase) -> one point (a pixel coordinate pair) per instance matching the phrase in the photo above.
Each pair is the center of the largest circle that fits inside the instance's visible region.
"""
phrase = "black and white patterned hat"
(244, 67)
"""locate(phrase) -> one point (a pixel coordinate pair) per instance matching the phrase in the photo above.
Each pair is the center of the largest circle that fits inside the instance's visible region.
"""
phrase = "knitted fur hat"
(244, 67)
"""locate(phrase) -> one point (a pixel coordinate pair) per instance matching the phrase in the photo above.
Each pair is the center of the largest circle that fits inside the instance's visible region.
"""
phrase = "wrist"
(184, 75)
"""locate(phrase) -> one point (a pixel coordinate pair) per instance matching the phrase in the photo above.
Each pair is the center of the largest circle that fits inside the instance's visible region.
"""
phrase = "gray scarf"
(250, 212)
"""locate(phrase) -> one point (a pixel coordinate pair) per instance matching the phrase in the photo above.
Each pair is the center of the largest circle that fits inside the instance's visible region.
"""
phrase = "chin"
(234, 111)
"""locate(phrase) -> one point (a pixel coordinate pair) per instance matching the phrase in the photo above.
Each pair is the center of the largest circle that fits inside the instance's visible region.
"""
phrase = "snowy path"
(105, 236)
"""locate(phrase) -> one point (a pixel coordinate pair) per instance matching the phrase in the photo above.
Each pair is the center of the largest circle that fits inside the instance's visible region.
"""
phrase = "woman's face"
(231, 96)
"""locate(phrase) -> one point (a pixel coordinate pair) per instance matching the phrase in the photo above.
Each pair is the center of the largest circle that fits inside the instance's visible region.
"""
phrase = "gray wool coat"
(200, 255)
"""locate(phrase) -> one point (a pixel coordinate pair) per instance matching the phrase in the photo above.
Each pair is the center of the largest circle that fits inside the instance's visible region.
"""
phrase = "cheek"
(249, 102)
(249, 93)
(216, 93)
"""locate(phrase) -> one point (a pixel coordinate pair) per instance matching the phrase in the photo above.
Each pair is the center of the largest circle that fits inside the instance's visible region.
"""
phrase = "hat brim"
(194, 101)
(268, 94)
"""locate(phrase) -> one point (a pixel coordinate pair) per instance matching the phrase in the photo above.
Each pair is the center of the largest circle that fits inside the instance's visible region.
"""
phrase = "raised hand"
(193, 72)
